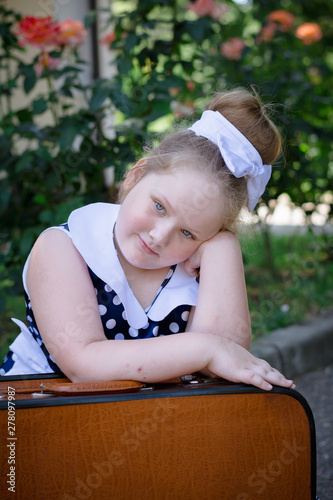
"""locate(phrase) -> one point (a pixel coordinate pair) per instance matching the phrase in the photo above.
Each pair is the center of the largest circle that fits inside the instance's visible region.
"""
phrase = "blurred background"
(85, 84)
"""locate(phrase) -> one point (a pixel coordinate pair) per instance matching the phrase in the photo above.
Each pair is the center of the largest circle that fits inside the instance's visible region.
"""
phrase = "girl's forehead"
(192, 181)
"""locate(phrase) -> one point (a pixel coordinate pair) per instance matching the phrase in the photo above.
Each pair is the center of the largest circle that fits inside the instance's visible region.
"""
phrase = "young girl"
(115, 293)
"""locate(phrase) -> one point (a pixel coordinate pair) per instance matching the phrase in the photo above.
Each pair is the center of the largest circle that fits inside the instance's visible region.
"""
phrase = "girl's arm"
(67, 314)
(66, 310)
(222, 306)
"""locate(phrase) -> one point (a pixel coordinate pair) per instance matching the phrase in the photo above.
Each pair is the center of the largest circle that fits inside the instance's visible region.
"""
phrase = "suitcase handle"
(65, 387)
(68, 388)
(78, 388)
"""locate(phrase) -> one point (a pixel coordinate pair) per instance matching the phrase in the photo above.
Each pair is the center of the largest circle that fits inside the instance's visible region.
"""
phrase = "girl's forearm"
(146, 360)
(162, 358)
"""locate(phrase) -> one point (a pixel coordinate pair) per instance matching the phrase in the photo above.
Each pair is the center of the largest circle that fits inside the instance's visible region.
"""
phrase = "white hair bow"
(241, 158)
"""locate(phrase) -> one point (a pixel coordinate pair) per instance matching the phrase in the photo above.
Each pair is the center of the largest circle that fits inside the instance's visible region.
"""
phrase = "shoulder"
(53, 251)
(52, 241)
(57, 276)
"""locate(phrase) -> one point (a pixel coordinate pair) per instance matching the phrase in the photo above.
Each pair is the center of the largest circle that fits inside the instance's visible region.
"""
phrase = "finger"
(271, 374)
(189, 268)
(253, 378)
(275, 377)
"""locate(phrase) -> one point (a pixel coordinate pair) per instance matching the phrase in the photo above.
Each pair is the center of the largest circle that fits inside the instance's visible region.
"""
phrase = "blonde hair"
(183, 148)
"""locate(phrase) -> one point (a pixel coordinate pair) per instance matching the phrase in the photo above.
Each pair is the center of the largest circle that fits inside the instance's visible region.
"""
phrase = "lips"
(146, 248)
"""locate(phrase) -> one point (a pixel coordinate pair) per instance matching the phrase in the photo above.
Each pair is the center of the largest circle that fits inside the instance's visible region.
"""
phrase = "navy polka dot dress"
(114, 319)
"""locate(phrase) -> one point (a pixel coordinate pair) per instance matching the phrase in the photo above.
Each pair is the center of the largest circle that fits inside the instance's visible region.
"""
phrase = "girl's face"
(166, 216)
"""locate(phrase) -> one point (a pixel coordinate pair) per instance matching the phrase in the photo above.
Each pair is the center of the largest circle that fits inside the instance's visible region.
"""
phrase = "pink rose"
(45, 61)
(108, 38)
(232, 48)
(208, 8)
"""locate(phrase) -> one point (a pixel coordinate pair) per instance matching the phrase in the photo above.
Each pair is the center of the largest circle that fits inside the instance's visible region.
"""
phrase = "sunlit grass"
(299, 287)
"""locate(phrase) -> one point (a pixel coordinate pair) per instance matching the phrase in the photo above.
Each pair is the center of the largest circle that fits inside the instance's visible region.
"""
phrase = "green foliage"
(167, 60)
(303, 285)
(45, 163)
(167, 48)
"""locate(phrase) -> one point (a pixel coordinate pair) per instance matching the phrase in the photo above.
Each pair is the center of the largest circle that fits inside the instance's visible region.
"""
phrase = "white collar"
(91, 230)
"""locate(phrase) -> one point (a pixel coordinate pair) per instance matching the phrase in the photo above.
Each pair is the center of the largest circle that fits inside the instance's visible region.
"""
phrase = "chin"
(140, 262)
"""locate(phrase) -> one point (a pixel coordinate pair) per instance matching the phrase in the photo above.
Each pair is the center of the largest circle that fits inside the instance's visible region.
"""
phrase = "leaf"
(24, 161)
(30, 76)
(4, 199)
(24, 115)
(198, 30)
(98, 97)
(29, 83)
(67, 136)
(131, 41)
(40, 199)
(39, 106)
(27, 241)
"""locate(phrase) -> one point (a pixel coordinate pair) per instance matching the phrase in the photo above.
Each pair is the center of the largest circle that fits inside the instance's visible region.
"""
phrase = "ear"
(135, 174)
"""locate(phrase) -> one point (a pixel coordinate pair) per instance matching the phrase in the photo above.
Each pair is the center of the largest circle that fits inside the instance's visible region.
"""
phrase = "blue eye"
(159, 206)
(187, 233)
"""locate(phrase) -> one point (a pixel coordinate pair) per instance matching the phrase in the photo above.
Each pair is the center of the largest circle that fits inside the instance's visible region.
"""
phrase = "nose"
(161, 234)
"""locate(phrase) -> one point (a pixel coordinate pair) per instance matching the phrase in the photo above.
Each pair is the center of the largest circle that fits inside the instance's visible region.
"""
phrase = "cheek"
(141, 219)
(135, 220)
(185, 249)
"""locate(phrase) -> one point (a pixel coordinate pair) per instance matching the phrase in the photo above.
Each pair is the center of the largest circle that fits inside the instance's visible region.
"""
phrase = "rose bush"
(53, 145)
(169, 57)
(284, 53)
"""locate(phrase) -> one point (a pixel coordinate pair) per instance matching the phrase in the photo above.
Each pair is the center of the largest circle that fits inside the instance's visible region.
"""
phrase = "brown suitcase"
(191, 439)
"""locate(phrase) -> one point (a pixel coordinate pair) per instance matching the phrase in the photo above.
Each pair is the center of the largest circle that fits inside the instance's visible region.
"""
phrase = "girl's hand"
(193, 263)
(232, 362)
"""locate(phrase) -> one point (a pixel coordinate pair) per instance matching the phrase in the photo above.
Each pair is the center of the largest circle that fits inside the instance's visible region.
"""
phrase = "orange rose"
(309, 33)
(37, 31)
(283, 18)
(71, 33)
(232, 48)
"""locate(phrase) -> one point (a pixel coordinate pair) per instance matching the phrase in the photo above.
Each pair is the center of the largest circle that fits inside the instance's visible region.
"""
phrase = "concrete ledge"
(299, 348)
